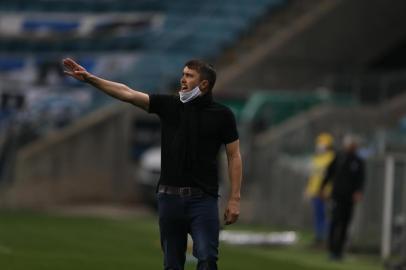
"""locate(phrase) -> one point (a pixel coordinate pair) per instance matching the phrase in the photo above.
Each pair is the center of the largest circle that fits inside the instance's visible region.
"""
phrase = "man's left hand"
(232, 211)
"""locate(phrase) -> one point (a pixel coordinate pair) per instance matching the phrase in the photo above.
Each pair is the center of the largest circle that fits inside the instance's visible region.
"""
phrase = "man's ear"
(204, 85)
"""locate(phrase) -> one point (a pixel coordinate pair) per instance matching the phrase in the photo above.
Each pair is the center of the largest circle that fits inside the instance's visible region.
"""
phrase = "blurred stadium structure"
(290, 69)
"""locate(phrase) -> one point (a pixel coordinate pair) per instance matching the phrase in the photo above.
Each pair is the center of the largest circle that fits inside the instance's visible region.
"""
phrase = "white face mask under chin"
(189, 95)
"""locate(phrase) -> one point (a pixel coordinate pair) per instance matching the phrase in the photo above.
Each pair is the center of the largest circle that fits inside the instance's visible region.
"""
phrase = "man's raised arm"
(117, 90)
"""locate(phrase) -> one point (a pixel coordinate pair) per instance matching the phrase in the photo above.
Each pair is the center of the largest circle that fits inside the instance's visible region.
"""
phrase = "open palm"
(75, 70)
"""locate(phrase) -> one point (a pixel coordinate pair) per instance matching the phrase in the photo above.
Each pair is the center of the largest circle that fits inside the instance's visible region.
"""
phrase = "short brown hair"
(205, 70)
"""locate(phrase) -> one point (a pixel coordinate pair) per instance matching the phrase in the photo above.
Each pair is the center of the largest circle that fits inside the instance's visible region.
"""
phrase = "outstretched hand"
(75, 70)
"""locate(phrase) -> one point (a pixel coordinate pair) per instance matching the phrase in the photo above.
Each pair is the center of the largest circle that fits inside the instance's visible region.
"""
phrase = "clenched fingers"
(231, 216)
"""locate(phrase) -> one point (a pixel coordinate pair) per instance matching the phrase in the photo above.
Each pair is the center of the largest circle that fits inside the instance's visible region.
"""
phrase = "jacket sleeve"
(360, 177)
(331, 170)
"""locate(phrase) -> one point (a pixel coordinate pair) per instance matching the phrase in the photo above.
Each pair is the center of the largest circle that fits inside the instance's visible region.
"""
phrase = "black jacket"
(347, 173)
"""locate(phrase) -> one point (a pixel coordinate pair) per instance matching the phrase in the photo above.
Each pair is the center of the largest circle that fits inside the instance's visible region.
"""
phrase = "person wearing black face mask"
(194, 127)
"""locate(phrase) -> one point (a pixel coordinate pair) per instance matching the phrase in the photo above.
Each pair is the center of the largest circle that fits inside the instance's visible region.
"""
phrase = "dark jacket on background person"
(346, 172)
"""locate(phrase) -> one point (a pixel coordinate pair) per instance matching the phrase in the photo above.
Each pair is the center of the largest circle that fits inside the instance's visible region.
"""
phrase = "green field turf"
(31, 241)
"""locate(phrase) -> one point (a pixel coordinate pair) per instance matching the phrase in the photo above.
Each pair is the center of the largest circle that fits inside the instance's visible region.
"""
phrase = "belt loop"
(185, 191)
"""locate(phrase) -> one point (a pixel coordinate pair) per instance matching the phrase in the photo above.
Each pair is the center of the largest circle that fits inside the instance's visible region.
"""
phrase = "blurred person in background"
(16, 130)
(346, 173)
(321, 159)
(193, 129)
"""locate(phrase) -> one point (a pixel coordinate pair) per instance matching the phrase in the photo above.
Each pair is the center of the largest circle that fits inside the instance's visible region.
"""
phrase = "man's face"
(189, 80)
(350, 144)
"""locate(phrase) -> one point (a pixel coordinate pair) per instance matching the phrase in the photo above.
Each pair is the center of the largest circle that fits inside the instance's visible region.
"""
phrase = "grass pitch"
(35, 241)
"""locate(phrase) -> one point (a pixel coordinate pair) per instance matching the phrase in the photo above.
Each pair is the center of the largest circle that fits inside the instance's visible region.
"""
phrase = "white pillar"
(387, 206)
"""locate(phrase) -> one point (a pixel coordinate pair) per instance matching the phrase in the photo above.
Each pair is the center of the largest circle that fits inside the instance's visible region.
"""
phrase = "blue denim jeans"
(196, 215)
(319, 215)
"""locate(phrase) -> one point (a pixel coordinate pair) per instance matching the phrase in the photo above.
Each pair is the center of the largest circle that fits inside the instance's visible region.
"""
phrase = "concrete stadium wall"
(333, 37)
(86, 161)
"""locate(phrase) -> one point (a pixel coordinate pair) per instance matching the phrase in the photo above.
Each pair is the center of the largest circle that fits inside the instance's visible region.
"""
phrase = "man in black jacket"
(346, 172)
